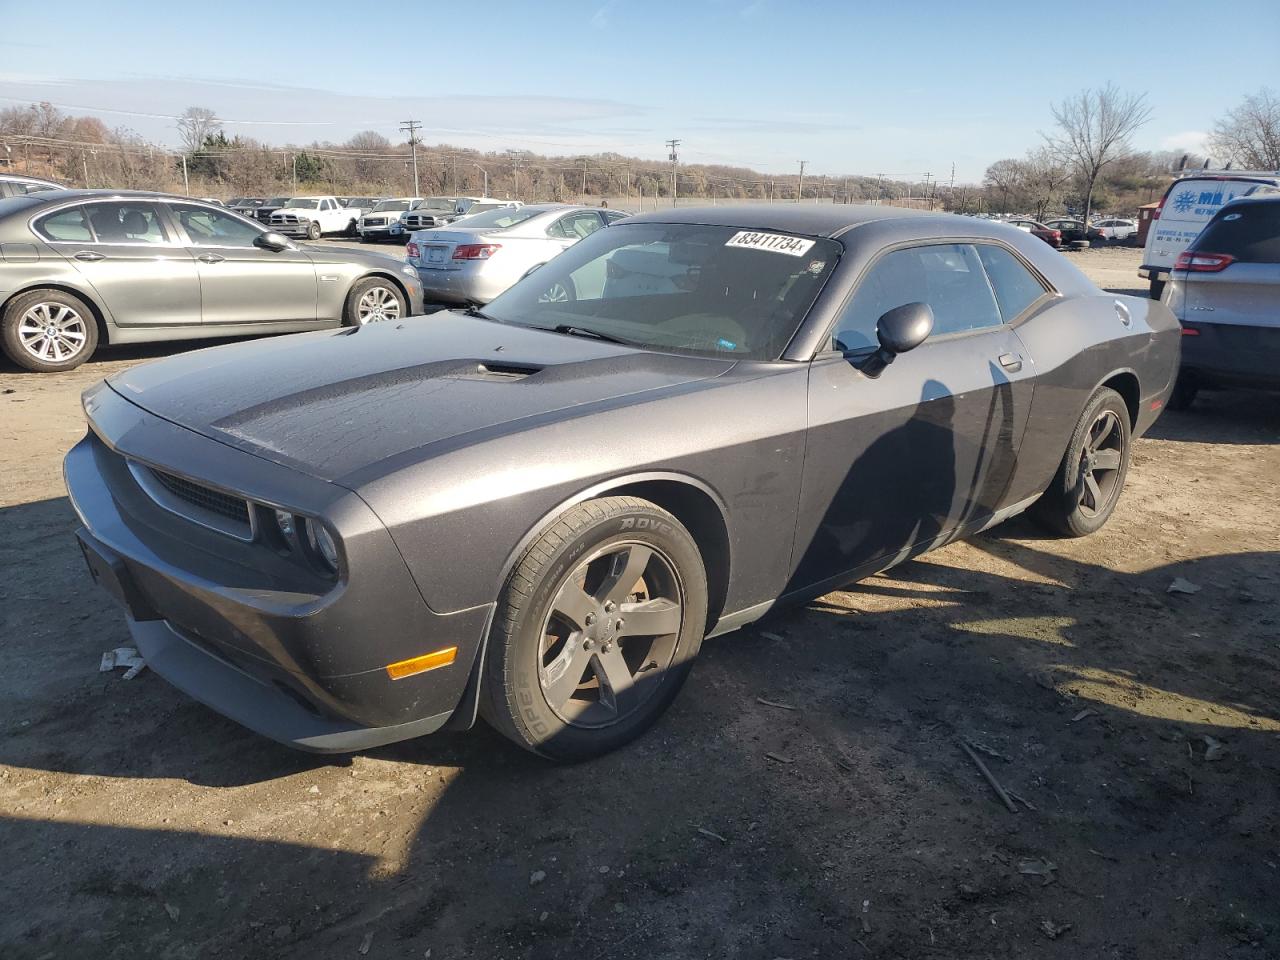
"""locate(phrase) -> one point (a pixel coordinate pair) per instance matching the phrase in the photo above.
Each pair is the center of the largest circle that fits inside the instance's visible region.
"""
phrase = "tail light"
(1197, 262)
(475, 251)
(1056, 234)
(1190, 332)
(412, 250)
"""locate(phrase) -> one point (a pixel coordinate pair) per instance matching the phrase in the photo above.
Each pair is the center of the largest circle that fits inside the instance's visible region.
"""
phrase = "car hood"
(335, 403)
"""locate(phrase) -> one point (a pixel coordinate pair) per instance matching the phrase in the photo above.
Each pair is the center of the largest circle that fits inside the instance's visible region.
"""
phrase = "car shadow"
(806, 794)
(1224, 416)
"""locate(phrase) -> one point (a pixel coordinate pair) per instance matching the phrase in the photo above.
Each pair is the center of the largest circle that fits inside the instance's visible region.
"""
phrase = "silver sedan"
(81, 267)
(480, 256)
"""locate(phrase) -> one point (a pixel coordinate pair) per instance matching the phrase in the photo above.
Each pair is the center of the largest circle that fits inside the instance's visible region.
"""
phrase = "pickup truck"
(311, 217)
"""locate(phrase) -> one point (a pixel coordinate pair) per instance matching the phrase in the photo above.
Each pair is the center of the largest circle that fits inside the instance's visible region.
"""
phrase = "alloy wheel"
(556, 293)
(378, 303)
(1100, 461)
(611, 634)
(52, 332)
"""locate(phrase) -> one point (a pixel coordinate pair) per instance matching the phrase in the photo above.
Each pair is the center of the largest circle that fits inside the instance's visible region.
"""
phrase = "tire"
(562, 291)
(1184, 392)
(1157, 288)
(313, 230)
(48, 330)
(1071, 506)
(372, 300)
(576, 685)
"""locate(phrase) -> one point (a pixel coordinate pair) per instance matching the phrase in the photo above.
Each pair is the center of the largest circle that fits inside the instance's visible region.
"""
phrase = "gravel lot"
(1140, 730)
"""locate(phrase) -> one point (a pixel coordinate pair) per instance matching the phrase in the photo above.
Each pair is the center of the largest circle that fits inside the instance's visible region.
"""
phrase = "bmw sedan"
(83, 267)
(475, 259)
(535, 512)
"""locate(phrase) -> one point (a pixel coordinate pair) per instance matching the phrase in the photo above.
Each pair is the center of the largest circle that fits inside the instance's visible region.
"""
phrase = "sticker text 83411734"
(772, 242)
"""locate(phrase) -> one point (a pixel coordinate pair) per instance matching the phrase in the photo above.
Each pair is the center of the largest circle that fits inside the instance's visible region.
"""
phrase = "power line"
(412, 127)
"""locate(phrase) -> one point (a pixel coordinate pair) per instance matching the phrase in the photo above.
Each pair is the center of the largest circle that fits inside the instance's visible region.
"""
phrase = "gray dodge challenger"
(535, 512)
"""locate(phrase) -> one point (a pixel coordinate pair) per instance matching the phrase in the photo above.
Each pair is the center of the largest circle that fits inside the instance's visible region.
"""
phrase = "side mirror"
(899, 330)
(271, 241)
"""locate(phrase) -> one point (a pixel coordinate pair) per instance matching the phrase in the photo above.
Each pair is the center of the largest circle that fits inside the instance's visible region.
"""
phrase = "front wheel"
(373, 300)
(1086, 488)
(596, 630)
(48, 330)
(313, 230)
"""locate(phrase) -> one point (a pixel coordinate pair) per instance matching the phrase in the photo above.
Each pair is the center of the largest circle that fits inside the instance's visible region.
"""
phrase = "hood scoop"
(498, 372)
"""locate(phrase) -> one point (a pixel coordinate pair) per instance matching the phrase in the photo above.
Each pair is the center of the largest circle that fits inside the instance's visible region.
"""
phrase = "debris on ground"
(775, 703)
(172, 911)
(1038, 867)
(1086, 712)
(989, 751)
(537, 877)
(995, 784)
(866, 920)
(1213, 749)
(123, 657)
(779, 758)
(712, 834)
(775, 637)
(1053, 930)
(1181, 585)
(366, 943)
(1025, 802)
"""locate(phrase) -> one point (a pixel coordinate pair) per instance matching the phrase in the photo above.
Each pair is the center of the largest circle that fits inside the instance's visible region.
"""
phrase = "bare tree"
(1005, 176)
(1045, 175)
(195, 124)
(1094, 128)
(1249, 135)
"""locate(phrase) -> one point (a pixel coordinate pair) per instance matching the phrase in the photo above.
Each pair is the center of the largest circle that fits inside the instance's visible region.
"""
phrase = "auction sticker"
(772, 242)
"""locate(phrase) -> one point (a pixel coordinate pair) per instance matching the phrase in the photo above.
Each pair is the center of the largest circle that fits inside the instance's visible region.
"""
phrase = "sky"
(902, 89)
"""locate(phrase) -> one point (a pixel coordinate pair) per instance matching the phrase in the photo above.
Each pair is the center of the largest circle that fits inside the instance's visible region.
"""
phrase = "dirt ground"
(1139, 730)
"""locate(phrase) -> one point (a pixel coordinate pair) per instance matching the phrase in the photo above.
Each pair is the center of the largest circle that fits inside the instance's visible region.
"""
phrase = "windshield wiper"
(571, 330)
(474, 311)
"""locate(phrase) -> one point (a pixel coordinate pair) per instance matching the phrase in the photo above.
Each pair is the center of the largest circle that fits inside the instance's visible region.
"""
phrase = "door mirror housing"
(271, 241)
(899, 330)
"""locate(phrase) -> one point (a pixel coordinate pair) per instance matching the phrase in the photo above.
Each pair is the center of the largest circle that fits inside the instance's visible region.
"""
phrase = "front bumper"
(294, 230)
(394, 231)
(244, 630)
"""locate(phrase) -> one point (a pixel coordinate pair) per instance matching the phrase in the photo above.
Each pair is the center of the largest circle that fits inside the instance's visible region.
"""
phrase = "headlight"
(322, 543)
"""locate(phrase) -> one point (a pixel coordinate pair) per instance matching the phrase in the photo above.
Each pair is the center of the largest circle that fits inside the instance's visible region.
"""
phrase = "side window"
(947, 276)
(70, 226)
(613, 216)
(213, 228)
(576, 226)
(1016, 287)
(126, 222)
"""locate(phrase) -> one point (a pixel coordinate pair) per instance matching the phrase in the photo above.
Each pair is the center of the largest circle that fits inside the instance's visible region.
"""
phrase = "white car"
(1188, 204)
(1114, 230)
(312, 217)
(476, 259)
(383, 221)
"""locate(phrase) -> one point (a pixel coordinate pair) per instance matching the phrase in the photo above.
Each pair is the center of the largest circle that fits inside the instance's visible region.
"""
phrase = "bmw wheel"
(562, 291)
(48, 330)
(596, 630)
(1086, 488)
(373, 300)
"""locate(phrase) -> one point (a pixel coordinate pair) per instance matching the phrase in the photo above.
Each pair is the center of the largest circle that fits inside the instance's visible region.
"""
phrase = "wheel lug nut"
(586, 644)
(590, 619)
(608, 607)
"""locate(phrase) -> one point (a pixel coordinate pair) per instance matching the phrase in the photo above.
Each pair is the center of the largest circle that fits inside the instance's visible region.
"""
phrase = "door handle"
(210, 258)
(88, 256)
(1011, 362)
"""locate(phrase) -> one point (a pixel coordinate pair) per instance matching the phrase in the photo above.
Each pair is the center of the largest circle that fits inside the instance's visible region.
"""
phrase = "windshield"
(687, 288)
(303, 204)
(499, 219)
(393, 205)
(440, 203)
(277, 202)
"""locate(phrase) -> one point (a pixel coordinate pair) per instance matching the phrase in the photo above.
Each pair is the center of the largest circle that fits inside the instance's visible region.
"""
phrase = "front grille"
(283, 218)
(206, 498)
(375, 221)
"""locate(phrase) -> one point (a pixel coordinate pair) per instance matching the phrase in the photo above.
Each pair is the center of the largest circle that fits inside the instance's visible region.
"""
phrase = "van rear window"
(1250, 232)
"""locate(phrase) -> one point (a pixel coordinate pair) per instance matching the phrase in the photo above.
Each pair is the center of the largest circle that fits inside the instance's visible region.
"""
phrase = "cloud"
(600, 20)
(1191, 141)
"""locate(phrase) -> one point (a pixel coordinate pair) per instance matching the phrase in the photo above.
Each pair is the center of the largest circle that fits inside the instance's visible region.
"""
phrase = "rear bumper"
(1232, 354)
(298, 660)
(465, 285)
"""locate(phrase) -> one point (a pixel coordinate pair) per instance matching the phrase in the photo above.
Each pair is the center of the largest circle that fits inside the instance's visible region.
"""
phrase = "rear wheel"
(373, 300)
(48, 330)
(1087, 486)
(1184, 392)
(596, 630)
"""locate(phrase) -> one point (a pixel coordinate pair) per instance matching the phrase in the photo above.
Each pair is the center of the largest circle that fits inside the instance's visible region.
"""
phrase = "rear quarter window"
(1250, 233)
(67, 225)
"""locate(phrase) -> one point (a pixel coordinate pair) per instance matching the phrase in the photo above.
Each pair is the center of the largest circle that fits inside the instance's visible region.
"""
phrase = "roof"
(60, 196)
(815, 220)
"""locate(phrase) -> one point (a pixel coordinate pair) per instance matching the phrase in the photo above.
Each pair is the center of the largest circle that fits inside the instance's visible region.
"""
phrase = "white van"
(1188, 204)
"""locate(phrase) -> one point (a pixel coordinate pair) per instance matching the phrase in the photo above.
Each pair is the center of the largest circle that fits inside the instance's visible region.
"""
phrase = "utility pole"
(926, 188)
(822, 186)
(295, 172)
(186, 181)
(771, 191)
(671, 145)
(800, 188)
(84, 165)
(412, 127)
(584, 179)
(486, 178)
